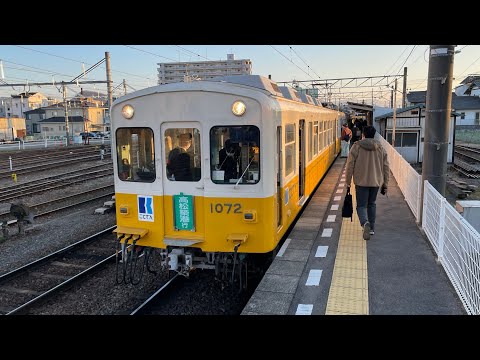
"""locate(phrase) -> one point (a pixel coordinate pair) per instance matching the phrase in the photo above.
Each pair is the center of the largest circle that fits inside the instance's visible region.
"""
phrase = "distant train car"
(211, 172)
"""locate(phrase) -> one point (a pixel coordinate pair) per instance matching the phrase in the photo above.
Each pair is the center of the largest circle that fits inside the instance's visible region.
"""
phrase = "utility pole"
(404, 99)
(394, 112)
(437, 116)
(64, 88)
(391, 99)
(124, 87)
(109, 83)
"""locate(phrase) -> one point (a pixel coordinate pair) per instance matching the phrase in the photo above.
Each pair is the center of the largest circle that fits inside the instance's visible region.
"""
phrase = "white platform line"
(304, 309)
(331, 218)
(339, 191)
(327, 232)
(334, 207)
(314, 277)
(284, 247)
(321, 251)
(341, 185)
(337, 198)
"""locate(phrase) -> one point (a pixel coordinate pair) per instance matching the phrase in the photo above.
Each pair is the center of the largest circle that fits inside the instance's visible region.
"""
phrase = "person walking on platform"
(368, 164)
(356, 133)
(345, 137)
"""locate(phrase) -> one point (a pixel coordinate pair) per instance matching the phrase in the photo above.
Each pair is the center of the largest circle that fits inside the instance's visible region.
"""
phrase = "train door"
(301, 161)
(183, 182)
(279, 177)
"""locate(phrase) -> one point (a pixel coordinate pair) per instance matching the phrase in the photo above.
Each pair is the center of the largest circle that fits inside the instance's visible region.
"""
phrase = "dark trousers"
(366, 207)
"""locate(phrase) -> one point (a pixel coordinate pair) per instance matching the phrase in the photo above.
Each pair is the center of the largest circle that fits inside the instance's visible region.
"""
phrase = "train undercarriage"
(230, 268)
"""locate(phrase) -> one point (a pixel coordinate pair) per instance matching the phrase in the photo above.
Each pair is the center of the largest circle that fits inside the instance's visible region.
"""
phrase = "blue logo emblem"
(145, 208)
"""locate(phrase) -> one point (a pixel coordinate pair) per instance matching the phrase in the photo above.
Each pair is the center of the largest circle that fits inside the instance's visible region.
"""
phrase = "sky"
(137, 64)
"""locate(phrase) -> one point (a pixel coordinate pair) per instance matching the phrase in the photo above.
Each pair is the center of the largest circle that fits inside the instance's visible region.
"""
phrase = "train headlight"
(238, 108)
(127, 111)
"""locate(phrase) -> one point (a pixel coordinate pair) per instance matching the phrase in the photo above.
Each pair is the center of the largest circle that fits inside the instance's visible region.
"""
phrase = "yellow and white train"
(206, 170)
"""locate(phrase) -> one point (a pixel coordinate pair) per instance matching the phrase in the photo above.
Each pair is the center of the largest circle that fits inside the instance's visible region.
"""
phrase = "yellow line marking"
(349, 288)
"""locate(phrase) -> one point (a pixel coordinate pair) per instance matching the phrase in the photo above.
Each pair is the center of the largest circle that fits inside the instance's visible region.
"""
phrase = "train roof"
(289, 93)
(254, 81)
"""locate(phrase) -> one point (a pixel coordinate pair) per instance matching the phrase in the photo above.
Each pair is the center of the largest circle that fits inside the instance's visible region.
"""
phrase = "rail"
(163, 287)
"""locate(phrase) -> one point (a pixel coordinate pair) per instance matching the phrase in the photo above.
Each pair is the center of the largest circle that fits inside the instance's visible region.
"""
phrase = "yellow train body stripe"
(220, 221)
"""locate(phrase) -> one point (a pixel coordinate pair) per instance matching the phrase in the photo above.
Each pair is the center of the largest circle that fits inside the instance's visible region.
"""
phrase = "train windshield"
(135, 154)
(183, 155)
(235, 154)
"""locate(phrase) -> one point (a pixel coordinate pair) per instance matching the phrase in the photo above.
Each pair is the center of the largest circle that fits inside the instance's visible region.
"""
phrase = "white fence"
(408, 180)
(22, 145)
(455, 241)
(457, 245)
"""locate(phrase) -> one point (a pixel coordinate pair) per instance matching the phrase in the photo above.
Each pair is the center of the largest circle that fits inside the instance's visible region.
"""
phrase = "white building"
(469, 109)
(204, 70)
(5, 104)
(55, 127)
(26, 101)
(410, 132)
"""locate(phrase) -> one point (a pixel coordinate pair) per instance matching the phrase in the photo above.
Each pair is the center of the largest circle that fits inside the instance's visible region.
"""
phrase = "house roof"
(74, 104)
(458, 102)
(416, 97)
(359, 106)
(35, 111)
(24, 94)
(465, 102)
(91, 93)
(408, 108)
(471, 78)
(61, 119)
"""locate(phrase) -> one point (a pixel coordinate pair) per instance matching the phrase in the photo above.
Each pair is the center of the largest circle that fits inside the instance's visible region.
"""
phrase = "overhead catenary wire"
(194, 53)
(289, 60)
(304, 61)
(81, 62)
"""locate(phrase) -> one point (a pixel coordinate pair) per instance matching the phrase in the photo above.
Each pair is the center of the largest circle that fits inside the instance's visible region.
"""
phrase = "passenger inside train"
(179, 159)
(135, 155)
(229, 160)
(237, 159)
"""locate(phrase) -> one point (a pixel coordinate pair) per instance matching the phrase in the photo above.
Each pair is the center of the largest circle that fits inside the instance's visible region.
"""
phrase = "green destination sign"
(183, 208)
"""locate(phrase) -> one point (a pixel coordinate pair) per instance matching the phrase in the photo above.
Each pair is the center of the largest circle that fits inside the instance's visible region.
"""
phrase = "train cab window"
(235, 154)
(135, 154)
(182, 154)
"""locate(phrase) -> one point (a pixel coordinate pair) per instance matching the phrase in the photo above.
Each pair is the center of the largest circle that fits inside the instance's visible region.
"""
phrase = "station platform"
(325, 267)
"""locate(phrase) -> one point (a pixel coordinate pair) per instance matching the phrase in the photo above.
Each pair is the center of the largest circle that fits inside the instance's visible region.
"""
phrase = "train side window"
(310, 140)
(289, 149)
(235, 154)
(135, 154)
(315, 138)
(183, 160)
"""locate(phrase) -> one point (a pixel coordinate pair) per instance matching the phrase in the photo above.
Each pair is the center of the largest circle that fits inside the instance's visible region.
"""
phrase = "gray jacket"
(368, 163)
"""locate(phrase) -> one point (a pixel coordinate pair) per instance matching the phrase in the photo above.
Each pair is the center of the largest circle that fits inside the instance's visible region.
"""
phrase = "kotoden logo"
(145, 208)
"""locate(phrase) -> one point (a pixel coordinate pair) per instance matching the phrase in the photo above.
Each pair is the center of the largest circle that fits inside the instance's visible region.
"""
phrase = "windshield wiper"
(244, 171)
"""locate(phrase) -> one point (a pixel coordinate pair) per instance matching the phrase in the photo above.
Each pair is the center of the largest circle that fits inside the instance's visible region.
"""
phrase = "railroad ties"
(107, 207)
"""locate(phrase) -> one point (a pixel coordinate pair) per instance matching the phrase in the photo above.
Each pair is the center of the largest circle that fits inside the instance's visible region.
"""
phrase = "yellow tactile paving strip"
(349, 288)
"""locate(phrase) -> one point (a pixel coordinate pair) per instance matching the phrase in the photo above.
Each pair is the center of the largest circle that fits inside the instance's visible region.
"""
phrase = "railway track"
(21, 288)
(50, 184)
(48, 165)
(467, 161)
(163, 288)
(41, 208)
(18, 160)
